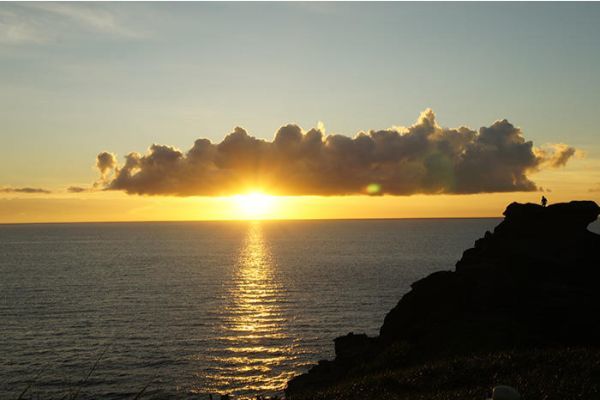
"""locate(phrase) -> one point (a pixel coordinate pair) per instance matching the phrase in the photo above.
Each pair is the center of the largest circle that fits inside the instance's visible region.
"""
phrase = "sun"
(254, 205)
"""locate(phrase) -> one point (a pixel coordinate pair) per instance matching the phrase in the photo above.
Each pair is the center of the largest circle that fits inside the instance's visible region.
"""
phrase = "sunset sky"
(418, 80)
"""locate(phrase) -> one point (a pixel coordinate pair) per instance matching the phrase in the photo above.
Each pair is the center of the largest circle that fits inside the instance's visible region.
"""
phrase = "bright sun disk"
(254, 205)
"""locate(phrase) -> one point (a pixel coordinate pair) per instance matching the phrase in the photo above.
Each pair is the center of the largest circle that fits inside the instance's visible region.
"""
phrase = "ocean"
(188, 309)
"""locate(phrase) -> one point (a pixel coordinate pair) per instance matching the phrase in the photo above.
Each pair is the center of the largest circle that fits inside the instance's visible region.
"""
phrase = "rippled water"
(199, 308)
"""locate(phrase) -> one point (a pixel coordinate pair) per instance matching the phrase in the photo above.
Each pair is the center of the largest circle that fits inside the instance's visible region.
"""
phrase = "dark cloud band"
(423, 158)
(27, 190)
(78, 189)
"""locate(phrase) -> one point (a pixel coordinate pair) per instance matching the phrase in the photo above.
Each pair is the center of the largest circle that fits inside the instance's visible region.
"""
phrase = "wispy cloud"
(89, 16)
(78, 189)
(43, 22)
(557, 154)
(28, 190)
(16, 28)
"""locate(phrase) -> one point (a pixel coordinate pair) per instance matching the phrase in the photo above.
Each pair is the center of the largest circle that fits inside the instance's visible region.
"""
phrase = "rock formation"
(531, 284)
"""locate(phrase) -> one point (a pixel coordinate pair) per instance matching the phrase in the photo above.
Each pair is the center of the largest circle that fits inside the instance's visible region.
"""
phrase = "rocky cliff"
(531, 284)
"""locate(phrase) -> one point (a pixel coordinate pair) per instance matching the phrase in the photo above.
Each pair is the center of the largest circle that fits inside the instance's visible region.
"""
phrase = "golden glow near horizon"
(580, 181)
(109, 207)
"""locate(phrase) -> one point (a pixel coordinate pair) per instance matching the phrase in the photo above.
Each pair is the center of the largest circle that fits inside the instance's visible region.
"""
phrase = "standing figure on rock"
(544, 201)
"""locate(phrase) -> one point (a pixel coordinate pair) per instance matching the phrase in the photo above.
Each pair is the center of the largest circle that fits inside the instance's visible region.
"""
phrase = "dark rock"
(352, 347)
(532, 283)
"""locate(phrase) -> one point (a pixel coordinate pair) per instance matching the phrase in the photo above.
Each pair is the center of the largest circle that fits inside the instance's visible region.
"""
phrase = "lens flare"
(374, 189)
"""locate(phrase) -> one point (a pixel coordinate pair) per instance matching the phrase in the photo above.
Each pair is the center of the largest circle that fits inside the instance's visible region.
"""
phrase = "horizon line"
(240, 220)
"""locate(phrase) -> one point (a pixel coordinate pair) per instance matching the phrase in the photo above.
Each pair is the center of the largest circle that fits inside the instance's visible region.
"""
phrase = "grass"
(549, 374)
(73, 393)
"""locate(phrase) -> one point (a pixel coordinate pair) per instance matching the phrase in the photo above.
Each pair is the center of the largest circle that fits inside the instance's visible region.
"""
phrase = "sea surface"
(184, 310)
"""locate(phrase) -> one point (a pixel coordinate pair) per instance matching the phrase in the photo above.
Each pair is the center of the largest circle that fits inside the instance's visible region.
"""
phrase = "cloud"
(78, 189)
(43, 22)
(24, 190)
(423, 158)
(105, 162)
(89, 16)
(16, 29)
(556, 155)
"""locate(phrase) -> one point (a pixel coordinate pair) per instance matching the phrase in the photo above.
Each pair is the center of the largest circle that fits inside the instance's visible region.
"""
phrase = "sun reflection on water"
(258, 353)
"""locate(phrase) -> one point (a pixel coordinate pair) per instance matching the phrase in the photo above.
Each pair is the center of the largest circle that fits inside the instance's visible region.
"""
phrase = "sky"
(79, 79)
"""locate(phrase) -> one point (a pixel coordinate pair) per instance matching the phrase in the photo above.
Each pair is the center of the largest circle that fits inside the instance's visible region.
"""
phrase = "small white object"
(503, 392)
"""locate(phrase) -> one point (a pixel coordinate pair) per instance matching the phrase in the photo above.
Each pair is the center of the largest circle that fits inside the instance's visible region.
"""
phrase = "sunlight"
(257, 344)
(255, 205)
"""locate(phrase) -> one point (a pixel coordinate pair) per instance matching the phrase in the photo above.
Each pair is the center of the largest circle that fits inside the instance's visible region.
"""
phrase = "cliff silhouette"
(523, 304)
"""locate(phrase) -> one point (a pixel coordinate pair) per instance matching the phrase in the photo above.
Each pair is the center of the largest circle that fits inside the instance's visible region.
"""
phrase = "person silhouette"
(544, 201)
